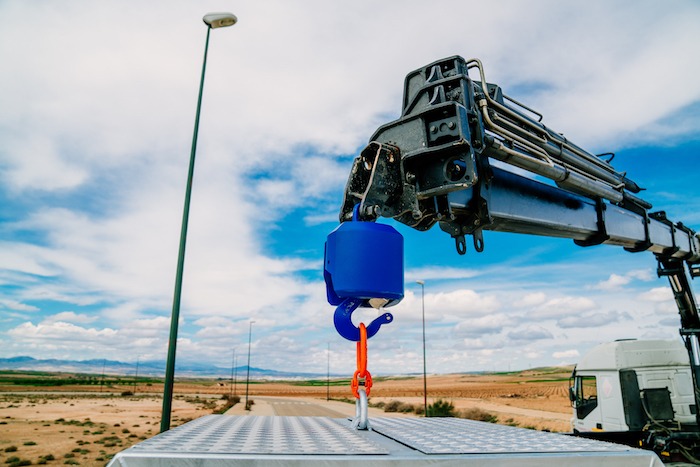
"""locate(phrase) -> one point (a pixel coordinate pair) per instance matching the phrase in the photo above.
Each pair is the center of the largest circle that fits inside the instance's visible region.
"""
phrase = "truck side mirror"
(572, 395)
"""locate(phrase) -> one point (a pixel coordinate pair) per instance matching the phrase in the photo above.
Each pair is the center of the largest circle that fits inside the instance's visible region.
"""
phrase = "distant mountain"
(145, 368)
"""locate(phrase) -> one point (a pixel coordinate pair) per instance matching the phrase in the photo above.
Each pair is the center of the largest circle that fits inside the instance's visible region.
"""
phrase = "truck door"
(584, 398)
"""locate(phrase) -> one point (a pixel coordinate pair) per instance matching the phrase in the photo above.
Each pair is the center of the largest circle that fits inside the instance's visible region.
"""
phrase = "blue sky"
(97, 104)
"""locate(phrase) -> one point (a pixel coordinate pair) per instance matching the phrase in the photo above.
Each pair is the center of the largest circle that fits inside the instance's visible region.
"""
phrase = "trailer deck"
(218, 440)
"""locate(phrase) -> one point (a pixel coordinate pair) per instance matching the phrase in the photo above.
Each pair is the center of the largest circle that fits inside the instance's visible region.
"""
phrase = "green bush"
(11, 449)
(15, 461)
(398, 406)
(479, 415)
(441, 408)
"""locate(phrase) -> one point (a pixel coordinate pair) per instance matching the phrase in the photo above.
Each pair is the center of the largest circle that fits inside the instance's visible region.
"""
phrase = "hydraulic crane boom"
(435, 164)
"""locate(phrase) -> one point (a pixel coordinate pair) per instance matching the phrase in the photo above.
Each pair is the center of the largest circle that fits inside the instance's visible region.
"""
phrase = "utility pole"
(328, 373)
(230, 386)
(247, 378)
(425, 374)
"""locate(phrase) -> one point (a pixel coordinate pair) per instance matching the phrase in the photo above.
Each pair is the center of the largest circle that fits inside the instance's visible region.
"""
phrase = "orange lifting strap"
(361, 371)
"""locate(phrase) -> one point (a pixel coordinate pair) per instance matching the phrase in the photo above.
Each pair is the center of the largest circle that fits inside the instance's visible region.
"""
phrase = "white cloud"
(439, 273)
(16, 306)
(562, 306)
(62, 334)
(489, 324)
(571, 353)
(470, 343)
(462, 302)
(530, 333)
(531, 299)
(587, 320)
(657, 294)
(68, 317)
(616, 281)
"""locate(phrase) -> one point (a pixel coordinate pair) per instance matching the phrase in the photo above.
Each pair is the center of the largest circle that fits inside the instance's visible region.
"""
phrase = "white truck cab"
(624, 386)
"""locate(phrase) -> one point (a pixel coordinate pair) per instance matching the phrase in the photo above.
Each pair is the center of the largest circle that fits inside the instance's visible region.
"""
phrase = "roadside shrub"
(395, 406)
(480, 415)
(11, 449)
(392, 406)
(30, 443)
(16, 461)
(441, 408)
(230, 402)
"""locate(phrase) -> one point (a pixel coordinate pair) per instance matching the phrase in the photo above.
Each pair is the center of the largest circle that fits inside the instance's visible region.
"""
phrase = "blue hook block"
(364, 260)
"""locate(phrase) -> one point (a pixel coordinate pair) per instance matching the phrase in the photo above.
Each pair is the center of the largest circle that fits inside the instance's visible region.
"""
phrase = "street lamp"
(247, 376)
(425, 376)
(233, 366)
(328, 373)
(213, 21)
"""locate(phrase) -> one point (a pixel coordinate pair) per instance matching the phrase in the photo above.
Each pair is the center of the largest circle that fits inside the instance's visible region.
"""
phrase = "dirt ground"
(80, 425)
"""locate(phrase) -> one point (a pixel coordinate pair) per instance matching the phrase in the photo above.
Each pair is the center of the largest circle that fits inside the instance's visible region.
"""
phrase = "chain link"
(361, 372)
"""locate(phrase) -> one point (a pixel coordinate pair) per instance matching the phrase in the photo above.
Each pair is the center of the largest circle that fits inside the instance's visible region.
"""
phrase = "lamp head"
(219, 20)
(420, 282)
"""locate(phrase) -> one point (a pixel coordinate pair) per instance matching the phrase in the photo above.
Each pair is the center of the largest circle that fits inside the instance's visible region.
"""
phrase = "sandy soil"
(80, 425)
(84, 429)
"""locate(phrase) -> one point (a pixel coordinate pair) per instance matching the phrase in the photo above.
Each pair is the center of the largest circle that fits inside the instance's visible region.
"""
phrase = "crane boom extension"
(435, 164)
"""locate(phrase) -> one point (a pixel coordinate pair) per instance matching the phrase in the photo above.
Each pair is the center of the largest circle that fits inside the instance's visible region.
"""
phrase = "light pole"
(235, 378)
(425, 376)
(247, 376)
(328, 373)
(213, 21)
(230, 388)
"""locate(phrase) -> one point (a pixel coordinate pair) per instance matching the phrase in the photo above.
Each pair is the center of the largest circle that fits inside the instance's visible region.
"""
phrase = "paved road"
(299, 408)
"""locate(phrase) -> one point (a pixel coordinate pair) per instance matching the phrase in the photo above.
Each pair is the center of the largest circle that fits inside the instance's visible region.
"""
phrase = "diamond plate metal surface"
(458, 436)
(261, 435)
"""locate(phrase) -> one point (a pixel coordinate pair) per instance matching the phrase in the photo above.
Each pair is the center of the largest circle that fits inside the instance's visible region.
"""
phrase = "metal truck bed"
(222, 440)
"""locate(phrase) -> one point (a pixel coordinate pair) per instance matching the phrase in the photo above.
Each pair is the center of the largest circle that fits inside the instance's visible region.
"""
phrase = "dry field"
(82, 426)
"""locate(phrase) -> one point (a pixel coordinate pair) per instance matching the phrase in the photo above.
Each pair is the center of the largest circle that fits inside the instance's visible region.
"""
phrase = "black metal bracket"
(472, 224)
(602, 235)
(375, 182)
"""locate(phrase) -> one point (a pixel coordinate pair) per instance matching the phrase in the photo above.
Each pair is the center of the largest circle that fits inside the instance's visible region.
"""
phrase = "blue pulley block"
(362, 261)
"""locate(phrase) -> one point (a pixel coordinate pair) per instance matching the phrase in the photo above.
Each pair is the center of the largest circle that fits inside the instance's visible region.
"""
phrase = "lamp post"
(213, 21)
(247, 376)
(235, 378)
(328, 373)
(425, 376)
(233, 366)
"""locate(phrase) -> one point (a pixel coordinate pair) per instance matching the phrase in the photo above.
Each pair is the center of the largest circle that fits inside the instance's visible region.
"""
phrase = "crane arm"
(467, 157)
(435, 164)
